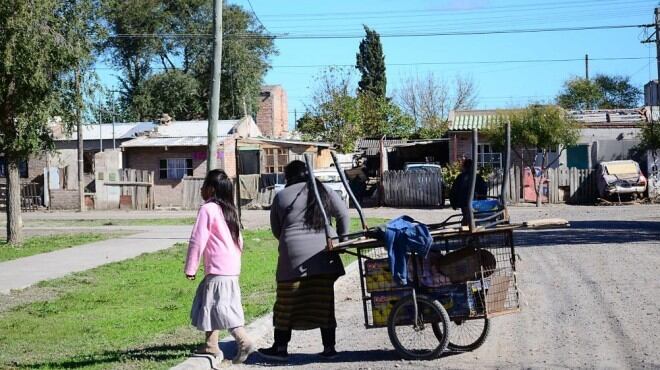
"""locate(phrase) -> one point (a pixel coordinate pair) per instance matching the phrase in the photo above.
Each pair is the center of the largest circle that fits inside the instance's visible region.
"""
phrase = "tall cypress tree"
(371, 64)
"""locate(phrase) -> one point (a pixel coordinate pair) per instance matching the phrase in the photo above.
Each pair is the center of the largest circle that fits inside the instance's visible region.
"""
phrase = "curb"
(257, 329)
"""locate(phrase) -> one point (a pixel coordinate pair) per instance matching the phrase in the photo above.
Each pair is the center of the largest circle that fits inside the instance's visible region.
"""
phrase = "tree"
(617, 92)
(172, 92)
(429, 100)
(371, 64)
(338, 116)
(603, 92)
(246, 51)
(41, 43)
(536, 129)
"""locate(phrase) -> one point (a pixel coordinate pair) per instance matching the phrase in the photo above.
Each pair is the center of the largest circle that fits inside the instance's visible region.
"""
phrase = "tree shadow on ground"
(591, 232)
(157, 353)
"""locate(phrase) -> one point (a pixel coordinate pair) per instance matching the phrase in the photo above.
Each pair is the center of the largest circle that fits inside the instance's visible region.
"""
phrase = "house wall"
(166, 192)
(273, 117)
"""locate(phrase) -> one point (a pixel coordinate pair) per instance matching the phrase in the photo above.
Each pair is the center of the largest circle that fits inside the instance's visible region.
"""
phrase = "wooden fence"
(191, 195)
(562, 185)
(136, 189)
(412, 189)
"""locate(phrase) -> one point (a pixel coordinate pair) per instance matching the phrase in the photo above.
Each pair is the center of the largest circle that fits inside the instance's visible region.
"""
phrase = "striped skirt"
(305, 304)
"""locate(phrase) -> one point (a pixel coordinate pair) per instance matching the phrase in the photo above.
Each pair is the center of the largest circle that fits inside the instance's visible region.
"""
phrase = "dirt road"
(590, 300)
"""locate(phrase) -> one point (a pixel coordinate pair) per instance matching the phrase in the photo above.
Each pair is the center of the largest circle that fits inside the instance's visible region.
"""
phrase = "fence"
(412, 189)
(561, 185)
(135, 190)
(191, 195)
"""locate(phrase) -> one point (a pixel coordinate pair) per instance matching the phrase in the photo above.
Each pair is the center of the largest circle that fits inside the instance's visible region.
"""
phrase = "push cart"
(467, 276)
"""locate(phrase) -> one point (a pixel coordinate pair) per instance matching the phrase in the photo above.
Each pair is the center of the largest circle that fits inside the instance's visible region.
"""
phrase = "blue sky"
(500, 85)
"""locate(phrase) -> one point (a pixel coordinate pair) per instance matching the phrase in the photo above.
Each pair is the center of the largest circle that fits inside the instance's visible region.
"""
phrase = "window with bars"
(275, 159)
(175, 168)
(486, 157)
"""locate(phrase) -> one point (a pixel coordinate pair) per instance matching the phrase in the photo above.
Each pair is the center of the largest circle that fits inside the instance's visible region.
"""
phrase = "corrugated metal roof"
(145, 141)
(466, 120)
(122, 131)
(194, 128)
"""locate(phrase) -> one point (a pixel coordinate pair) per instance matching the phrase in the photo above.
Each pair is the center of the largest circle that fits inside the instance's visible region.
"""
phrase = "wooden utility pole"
(81, 173)
(214, 96)
(586, 66)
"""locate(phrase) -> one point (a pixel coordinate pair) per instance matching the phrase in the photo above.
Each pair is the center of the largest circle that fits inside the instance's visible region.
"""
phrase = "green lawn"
(127, 315)
(42, 244)
(114, 222)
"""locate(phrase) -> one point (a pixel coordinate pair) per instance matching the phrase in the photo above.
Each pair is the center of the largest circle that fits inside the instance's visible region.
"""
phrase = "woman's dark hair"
(223, 195)
(296, 172)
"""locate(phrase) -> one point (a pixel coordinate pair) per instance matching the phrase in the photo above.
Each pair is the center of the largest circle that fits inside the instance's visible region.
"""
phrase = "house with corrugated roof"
(605, 135)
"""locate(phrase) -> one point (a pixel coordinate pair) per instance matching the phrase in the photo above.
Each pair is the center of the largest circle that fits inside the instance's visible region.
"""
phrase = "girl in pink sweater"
(216, 236)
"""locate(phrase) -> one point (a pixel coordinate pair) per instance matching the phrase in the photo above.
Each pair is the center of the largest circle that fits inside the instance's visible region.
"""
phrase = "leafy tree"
(172, 92)
(371, 64)
(536, 129)
(246, 51)
(650, 137)
(617, 92)
(41, 43)
(604, 92)
(339, 116)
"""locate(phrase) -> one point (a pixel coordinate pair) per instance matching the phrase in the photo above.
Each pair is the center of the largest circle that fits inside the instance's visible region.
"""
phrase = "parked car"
(426, 167)
(620, 178)
(330, 178)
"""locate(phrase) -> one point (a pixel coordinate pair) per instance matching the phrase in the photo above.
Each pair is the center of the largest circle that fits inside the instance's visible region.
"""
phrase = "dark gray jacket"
(302, 250)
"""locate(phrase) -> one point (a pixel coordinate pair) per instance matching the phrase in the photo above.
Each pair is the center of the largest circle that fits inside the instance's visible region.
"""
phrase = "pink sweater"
(211, 237)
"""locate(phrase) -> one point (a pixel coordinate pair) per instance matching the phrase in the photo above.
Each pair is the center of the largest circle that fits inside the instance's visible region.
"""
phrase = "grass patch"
(114, 222)
(43, 244)
(127, 315)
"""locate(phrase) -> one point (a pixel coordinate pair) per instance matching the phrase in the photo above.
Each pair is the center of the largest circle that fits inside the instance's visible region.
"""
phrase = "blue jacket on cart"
(402, 235)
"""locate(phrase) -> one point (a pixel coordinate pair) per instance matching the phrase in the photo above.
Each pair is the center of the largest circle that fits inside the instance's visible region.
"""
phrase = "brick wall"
(167, 192)
(64, 199)
(273, 117)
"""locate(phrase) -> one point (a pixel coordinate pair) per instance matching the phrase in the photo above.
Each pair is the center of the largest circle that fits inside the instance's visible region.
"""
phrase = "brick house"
(177, 150)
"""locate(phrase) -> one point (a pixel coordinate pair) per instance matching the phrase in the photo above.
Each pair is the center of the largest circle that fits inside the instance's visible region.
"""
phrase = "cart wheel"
(424, 338)
(467, 335)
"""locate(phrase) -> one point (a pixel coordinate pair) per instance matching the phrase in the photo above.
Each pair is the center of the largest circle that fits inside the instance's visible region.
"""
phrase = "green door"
(578, 156)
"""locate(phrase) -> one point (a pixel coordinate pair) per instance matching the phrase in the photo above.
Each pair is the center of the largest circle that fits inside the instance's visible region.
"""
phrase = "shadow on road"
(366, 356)
(592, 232)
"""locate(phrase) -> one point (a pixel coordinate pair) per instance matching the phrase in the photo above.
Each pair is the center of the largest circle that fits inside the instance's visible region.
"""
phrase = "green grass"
(114, 222)
(127, 315)
(42, 244)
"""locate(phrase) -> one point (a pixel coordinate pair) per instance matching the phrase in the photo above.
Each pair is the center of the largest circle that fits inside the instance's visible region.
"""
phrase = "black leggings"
(283, 336)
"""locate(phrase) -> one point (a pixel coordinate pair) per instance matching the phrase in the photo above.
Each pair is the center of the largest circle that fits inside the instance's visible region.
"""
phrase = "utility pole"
(81, 174)
(586, 66)
(214, 96)
(100, 126)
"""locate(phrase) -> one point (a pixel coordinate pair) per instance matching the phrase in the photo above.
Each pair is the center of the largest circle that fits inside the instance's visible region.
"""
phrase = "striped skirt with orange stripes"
(305, 304)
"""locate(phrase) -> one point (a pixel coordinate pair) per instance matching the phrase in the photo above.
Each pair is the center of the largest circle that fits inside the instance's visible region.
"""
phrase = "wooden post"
(238, 180)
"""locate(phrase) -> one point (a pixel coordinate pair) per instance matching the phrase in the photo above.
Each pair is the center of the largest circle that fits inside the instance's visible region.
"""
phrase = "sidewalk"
(23, 272)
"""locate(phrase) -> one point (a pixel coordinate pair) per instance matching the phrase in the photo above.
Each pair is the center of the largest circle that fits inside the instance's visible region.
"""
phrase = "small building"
(175, 151)
(605, 135)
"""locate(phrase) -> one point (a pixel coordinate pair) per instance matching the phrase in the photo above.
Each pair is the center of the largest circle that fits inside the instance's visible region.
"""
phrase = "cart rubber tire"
(437, 328)
(476, 343)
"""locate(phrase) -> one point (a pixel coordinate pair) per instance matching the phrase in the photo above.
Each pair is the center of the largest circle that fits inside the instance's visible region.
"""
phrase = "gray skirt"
(217, 304)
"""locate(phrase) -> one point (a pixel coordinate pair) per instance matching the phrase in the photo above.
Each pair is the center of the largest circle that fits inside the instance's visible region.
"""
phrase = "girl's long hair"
(223, 195)
(296, 172)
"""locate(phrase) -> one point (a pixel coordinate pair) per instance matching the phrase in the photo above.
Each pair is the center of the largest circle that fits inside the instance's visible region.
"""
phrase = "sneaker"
(329, 354)
(272, 353)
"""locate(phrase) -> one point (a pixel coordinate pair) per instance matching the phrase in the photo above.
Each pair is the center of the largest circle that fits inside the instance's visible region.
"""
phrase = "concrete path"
(23, 272)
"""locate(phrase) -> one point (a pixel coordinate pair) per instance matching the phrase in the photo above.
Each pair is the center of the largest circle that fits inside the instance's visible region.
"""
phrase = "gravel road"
(589, 301)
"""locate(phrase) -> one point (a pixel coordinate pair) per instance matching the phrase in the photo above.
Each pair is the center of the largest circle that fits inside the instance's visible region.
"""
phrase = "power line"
(257, 17)
(384, 35)
(468, 62)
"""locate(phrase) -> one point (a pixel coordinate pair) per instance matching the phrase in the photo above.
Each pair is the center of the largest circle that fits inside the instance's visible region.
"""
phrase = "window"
(276, 159)
(486, 157)
(175, 168)
(22, 168)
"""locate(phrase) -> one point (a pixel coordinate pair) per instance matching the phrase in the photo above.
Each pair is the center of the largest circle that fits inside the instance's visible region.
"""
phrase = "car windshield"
(328, 177)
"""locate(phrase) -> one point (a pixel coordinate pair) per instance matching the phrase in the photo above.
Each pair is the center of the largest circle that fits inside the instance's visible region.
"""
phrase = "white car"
(330, 178)
(620, 177)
